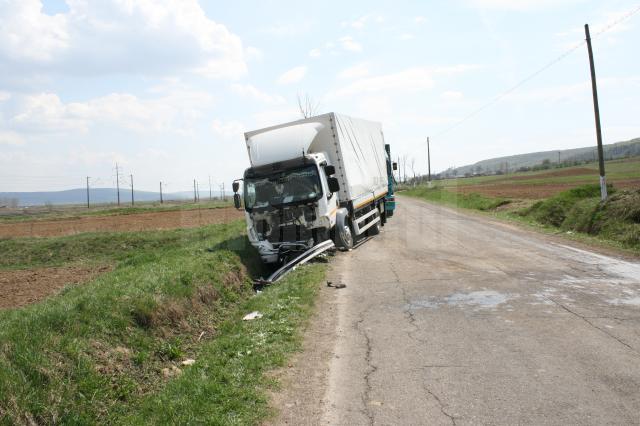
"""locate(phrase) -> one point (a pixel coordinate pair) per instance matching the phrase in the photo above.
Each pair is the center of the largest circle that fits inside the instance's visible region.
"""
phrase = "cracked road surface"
(452, 318)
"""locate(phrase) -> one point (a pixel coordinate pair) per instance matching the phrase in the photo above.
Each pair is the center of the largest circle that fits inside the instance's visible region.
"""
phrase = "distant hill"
(512, 163)
(79, 196)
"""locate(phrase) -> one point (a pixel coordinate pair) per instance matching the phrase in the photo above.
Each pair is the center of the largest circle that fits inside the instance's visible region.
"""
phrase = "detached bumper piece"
(292, 264)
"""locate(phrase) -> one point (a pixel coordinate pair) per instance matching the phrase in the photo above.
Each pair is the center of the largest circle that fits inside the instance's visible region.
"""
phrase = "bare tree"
(404, 168)
(413, 170)
(307, 106)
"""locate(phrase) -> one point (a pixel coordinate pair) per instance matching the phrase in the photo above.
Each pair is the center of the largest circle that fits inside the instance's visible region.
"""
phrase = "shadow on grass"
(249, 256)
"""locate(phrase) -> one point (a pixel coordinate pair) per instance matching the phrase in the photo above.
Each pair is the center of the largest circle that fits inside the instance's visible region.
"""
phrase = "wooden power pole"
(88, 192)
(195, 197)
(132, 201)
(596, 109)
(160, 192)
(428, 163)
(118, 183)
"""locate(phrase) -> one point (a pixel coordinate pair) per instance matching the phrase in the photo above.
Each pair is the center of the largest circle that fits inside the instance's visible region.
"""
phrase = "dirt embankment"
(120, 223)
(23, 287)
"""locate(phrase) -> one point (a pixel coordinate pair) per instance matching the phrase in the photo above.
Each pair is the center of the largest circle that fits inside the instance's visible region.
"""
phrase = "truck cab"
(290, 205)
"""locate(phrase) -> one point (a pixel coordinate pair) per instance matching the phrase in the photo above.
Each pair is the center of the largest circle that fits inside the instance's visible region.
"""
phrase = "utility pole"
(118, 183)
(160, 192)
(195, 197)
(428, 163)
(558, 157)
(596, 110)
(224, 196)
(88, 192)
(132, 201)
(210, 197)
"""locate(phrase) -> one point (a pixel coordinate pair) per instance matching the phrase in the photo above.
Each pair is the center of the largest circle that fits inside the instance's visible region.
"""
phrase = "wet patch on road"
(484, 299)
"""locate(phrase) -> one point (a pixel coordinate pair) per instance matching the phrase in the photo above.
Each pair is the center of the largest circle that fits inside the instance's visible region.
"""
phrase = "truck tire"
(345, 237)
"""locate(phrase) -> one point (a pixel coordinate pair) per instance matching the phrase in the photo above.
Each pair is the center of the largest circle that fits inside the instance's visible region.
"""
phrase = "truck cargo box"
(354, 146)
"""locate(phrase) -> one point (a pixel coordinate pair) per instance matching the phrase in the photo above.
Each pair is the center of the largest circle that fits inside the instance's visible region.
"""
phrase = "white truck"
(315, 179)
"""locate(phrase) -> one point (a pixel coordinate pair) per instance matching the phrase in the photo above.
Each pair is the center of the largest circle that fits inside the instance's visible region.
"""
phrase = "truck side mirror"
(329, 170)
(333, 184)
(236, 186)
(236, 200)
(395, 166)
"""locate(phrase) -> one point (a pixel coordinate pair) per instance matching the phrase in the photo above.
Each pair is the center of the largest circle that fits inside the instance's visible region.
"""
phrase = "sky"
(166, 88)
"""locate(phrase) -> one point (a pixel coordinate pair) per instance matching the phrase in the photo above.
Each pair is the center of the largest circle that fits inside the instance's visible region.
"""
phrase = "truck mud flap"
(291, 265)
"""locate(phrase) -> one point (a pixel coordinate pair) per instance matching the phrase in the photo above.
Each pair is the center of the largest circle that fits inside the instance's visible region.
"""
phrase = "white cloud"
(349, 44)
(411, 79)
(30, 34)
(253, 53)
(362, 21)
(273, 116)
(173, 112)
(117, 37)
(253, 92)
(405, 37)
(229, 130)
(356, 71)
(522, 5)
(451, 95)
(287, 30)
(609, 23)
(314, 53)
(359, 23)
(420, 19)
(4, 96)
(10, 138)
(294, 75)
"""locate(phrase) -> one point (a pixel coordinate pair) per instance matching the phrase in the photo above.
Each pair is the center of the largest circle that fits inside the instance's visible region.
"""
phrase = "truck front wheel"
(345, 237)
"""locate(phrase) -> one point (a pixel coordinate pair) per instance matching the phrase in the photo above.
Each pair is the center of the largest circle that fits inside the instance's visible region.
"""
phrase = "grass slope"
(580, 210)
(110, 351)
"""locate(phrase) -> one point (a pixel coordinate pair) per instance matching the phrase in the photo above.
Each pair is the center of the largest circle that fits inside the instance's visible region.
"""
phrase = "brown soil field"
(582, 171)
(532, 192)
(23, 287)
(120, 223)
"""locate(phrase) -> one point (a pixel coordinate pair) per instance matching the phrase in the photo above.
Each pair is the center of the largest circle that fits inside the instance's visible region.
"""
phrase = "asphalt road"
(452, 318)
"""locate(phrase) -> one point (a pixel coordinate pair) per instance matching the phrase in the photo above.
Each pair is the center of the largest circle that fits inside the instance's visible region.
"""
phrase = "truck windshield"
(286, 187)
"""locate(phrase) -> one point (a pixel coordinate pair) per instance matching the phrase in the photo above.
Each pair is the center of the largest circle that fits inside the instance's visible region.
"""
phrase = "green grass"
(468, 201)
(226, 385)
(95, 353)
(103, 247)
(74, 212)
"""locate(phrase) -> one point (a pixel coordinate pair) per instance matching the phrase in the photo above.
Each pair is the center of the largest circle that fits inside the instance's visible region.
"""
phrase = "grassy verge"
(110, 351)
(580, 210)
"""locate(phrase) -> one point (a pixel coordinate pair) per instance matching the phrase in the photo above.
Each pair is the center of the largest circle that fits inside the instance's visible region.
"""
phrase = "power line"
(530, 77)
(536, 73)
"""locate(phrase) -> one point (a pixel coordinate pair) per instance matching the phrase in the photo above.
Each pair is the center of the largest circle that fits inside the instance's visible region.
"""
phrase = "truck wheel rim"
(347, 236)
